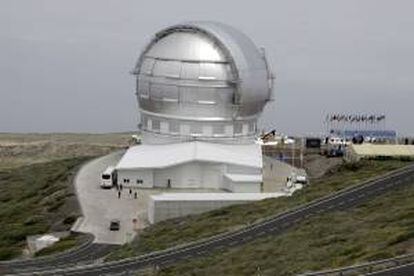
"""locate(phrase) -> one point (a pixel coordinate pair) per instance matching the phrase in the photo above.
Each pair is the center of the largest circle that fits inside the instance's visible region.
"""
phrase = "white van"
(108, 177)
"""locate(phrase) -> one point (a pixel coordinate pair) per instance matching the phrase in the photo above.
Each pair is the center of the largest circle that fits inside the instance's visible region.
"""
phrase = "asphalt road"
(342, 200)
(404, 270)
(86, 253)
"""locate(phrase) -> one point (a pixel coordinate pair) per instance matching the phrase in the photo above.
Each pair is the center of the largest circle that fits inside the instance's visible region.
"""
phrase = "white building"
(235, 168)
(201, 87)
(169, 205)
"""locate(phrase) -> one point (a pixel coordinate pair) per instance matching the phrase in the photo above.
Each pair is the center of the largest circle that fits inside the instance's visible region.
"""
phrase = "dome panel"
(190, 71)
(186, 47)
(167, 68)
(215, 71)
(199, 77)
(147, 66)
(250, 63)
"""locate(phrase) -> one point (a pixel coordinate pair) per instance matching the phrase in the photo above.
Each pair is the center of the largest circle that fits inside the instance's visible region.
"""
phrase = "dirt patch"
(317, 165)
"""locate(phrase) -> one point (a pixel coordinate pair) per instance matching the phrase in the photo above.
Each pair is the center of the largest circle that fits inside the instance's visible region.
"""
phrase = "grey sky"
(64, 65)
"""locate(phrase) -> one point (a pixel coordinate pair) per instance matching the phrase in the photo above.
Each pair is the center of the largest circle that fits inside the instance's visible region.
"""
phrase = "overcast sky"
(64, 65)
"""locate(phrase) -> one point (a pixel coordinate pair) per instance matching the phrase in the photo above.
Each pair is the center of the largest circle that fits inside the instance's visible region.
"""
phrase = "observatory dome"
(201, 81)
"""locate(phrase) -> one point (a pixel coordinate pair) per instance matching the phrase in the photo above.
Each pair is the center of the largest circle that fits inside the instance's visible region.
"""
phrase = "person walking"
(135, 195)
(119, 194)
(130, 192)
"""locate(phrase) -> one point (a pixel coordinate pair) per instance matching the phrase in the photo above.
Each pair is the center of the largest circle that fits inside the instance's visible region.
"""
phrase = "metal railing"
(208, 244)
(375, 266)
(88, 240)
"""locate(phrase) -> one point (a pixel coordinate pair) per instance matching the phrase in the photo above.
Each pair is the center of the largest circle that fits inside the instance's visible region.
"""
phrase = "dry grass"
(24, 149)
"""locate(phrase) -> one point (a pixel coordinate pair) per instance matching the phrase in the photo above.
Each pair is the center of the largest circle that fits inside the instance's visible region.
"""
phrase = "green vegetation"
(382, 228)
(36, 191)
(36, 199)
(177, 231)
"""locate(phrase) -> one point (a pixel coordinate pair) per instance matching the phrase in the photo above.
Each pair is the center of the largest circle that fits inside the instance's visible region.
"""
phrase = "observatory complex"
(201, 87)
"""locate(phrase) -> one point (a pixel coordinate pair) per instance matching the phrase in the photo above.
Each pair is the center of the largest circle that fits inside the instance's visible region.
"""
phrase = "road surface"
(272, 226)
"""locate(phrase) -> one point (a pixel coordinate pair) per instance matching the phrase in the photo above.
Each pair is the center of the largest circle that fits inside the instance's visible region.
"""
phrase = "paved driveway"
(99, 206)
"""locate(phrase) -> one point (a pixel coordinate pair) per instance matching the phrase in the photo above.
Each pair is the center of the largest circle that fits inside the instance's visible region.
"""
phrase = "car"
(114, 225)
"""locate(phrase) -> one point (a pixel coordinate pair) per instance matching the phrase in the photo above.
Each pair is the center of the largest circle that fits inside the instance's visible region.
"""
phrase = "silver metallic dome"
(201, 80)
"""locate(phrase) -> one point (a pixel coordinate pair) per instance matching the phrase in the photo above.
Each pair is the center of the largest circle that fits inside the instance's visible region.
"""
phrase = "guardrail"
(85, 253)
(375, 266)
(89, 238)
(276, 223)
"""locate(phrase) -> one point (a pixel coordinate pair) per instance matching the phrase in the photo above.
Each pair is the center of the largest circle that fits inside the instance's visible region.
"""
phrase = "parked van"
(108, 177)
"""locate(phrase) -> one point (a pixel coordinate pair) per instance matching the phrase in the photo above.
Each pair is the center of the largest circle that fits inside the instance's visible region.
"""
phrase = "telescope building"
(201, 87)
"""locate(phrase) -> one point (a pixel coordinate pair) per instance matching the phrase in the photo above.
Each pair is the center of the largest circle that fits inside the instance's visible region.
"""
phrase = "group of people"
(120, 188)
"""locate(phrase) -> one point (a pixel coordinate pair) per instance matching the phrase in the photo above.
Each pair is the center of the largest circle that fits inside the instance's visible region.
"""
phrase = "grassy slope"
(382, 228)
(172, 232)
(66, 243)
(36, 191)
(32, 201)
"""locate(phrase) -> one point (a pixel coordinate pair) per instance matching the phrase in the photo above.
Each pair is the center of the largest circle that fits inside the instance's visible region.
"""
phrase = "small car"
(114, 225)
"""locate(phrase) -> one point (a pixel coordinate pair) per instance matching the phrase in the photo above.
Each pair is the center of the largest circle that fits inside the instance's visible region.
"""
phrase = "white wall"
(164, 127)
(162, 210)
(190, 175)
(237, 169)
(212, 175)
(241, 187)
(228, 130)
(133, 175)
(161, 177)
(186, 175)
(246, 187)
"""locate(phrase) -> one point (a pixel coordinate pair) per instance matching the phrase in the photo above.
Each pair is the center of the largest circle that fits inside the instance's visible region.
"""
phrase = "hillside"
(36, 191)
(381, 228)
(36, 199)
(177, 231)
